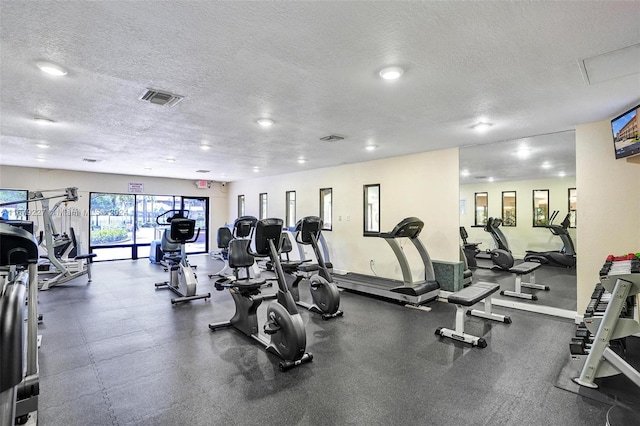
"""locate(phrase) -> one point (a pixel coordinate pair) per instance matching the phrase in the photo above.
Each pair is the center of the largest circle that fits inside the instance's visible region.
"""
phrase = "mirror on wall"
(522, 182)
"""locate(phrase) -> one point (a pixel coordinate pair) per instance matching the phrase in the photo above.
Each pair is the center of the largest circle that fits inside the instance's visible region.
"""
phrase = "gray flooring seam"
(103, 390)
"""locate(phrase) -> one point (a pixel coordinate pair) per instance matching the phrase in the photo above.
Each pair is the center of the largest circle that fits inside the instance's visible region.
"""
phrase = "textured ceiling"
(310, 66)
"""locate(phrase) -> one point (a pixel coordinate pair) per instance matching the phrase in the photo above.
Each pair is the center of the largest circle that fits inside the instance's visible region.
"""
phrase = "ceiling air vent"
(203, 171)
(331, 138)
(161, 98)
(90, 160)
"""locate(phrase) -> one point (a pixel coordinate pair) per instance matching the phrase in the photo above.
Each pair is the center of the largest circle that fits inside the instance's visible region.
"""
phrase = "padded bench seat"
(525, 268)
(466, 297)
(473, 294)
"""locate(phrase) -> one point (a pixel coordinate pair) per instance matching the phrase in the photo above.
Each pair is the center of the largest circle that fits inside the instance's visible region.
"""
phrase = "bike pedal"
(271, 328)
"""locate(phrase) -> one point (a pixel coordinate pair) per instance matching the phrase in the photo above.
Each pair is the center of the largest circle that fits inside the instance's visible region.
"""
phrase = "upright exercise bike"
(324, 292)
(284, 327)
(182, 277)
(566, 256)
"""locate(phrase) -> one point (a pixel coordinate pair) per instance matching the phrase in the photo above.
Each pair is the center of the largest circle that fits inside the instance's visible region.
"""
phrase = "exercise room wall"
(608, 204)
(423, 185)
(523, 236)
(86, 182)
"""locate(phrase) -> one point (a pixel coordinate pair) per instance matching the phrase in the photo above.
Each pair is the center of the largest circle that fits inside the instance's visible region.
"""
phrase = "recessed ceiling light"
(43, 121)
(490, 179)
(370, 147)
(301, 160)
(42, 145)
(481, 126)
(256, 169)
(546, 165)
(562, 174)
(391, 73)
(465, 173)
(265, 122)
(523, 152)
(205, 147)
(42, 160)
(51, 68)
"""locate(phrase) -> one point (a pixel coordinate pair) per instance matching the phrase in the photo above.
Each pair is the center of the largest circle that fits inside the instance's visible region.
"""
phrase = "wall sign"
(136, 187)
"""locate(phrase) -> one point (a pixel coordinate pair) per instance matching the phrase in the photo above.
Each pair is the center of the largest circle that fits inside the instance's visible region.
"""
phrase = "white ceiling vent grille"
(332, 138)
(161, 98)
(90, 160)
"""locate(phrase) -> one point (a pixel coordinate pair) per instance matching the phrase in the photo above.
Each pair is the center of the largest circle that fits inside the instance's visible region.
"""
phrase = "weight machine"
(62, 249)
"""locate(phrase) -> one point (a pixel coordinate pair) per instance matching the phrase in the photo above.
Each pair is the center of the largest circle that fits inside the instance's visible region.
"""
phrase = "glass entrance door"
(199, 210)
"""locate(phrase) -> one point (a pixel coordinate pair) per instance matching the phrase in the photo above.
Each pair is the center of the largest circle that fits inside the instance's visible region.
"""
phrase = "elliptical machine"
(501, 255)
(324, 292)
(182, 277)
(566, 256)
(284, 326)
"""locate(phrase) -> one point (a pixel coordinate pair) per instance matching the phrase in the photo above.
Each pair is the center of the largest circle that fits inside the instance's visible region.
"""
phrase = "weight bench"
(525, 268)
(468, 297)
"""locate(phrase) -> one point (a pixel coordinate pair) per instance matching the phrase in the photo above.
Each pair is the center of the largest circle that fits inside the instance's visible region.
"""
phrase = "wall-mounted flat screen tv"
(625, 133)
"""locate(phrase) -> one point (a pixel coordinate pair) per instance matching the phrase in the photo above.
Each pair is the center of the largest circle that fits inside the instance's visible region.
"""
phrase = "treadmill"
(408, 291)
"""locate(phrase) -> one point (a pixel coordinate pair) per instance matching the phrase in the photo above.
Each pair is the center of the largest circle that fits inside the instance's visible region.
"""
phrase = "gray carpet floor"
(116, 352)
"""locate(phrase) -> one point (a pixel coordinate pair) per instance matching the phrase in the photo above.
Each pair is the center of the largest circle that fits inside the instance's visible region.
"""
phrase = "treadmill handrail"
(406, 229)
(409, 227)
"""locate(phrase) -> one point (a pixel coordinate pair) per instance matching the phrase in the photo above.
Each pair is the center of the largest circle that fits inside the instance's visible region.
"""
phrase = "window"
(263, 205)
(17, 211)
(112, 230)
(372, 209)
(240, 205)
(573, 207)
(290, 207)
(508, 208)
(326, 210)
(540, 207)
(481, 208)
(123, 226)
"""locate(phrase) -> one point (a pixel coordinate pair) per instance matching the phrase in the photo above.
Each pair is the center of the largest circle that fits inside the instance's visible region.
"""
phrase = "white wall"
(423, 185)
(523, 236)
(44, 179)
(608, 204)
